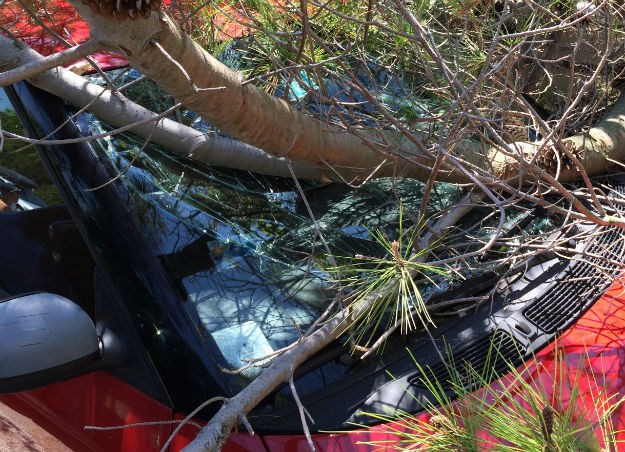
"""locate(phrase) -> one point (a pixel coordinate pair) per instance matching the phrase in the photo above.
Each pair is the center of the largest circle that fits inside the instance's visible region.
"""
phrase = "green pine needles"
(388, 284)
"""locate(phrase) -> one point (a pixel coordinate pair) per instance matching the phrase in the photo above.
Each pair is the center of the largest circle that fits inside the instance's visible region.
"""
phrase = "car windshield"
(250, 252)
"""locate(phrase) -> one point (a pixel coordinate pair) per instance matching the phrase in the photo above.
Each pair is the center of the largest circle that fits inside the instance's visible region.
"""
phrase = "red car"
(124, 303)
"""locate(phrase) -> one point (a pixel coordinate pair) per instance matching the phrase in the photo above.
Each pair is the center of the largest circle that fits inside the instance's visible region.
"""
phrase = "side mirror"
(43, 338)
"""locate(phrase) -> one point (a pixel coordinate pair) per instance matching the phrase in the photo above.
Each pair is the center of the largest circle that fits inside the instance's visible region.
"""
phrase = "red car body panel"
(97, 399)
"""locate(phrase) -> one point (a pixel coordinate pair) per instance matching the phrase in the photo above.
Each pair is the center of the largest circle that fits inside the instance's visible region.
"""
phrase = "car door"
(43, 250)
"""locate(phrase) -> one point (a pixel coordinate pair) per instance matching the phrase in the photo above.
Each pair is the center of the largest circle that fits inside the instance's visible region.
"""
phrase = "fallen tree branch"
(214, 434)
(121, 112)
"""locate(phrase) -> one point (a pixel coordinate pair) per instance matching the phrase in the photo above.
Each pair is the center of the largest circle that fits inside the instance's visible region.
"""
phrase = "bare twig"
(57, 59)
(303, 414)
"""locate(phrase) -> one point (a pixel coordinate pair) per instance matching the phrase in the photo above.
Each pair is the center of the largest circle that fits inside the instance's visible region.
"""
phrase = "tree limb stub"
(595, 149)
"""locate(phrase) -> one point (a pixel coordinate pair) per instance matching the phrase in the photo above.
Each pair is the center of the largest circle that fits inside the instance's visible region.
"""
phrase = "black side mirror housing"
(44, 338)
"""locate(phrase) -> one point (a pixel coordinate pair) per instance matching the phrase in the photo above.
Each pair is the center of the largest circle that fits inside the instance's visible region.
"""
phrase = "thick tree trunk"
(247, 113)
(218, 94)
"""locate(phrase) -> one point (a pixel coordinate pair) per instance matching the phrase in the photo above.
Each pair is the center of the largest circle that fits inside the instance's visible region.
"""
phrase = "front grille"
(585, 281)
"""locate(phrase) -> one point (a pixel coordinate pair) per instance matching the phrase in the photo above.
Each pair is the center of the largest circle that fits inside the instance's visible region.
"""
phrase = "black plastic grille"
(490, 357)
(585, 281)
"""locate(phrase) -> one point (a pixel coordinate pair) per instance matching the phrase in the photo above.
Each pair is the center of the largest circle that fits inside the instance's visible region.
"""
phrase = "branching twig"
(33, 68)
(187, 419)
(302, 414)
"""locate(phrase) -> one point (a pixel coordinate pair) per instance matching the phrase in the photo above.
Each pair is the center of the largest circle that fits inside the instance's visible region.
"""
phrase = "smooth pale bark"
(119, 111)
(218, 94)
(22, 70)
(247, 113)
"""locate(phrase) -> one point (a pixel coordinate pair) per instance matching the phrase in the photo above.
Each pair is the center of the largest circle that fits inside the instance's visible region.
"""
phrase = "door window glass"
(24, 183)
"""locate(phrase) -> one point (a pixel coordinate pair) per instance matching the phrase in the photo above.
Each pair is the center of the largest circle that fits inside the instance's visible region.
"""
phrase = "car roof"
(60, 18)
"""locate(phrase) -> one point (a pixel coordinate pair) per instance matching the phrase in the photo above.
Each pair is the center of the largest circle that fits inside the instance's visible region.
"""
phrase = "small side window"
(24, 183)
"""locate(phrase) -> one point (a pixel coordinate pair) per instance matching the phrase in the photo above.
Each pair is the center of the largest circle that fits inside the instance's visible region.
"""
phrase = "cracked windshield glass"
(260, 258)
